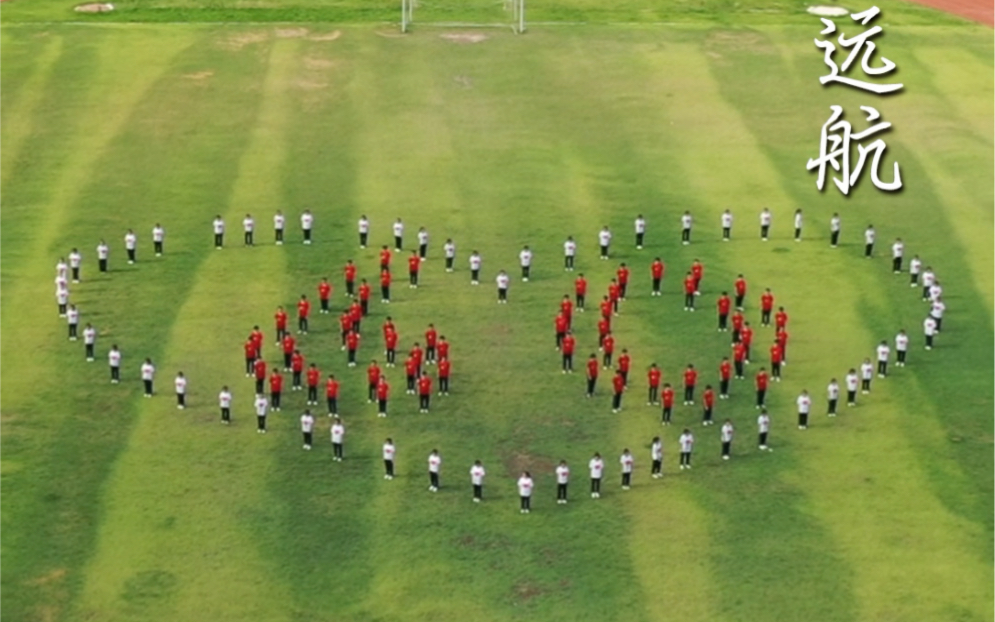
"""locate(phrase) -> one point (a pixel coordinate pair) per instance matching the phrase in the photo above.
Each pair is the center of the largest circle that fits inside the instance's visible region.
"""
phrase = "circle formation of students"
(436, 350)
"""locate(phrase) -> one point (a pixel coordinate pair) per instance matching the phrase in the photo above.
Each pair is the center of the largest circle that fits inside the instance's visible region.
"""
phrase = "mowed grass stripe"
(872, 466)
(210, 482)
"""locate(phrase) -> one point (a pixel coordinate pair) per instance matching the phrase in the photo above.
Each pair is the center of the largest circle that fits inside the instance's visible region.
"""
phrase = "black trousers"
(502, 294)
(413, 277)
(654, 395)
(706, 414)
(689, 300)
(444, 384)
(248, 238)
(219, 240)
(726, 232)
(561, 491)
(775, 370)
(324, 305)
(76, 270)
(449, 264)
(148, 387)
(626, 479)
(350, 288)
(307, 235)
(279, 235)
(656, 284)
(382, 406)
(302, 324)
(478, 491)
(474, 275)
(115, 373)
(286, 360)
(726, 447)
(579, 298)
(657, 467)
(739, 301)
(913, 278)
(568, 261)
(568, 362)
(834, 238)
(274, 399)
(526, 503)
(226, 414)
(803, 419)
(639, 239)
(388, 466)
(883, 367)
(622, 288)
(798, 233)
(606, 360)
(363, 237)
(296, 379)
(851, 397)
(351, 356)
(865, 384)
(724, 386)
(900, 356)
(764, 231)
(261, 422)
(131, 255)
(896, 264)
(308, 437)
(616, 401)
(337, 450)
(249, 365)
(433, 479)
(595, 484)
(761, 396)
(832, 407)
(102, 265)
(686, 458)
(685, 235)
(723, 321)
(411, 382)
(604, 251)
(689, 393)
(312, 394)
(525, 271)
(667, 411)
(398, 242)
(259, 384)
(391, 356)
(89, 351)
(762, 439)
(429, 354)
(590, 386)
(423, 401)
(738, 365)
(181, 399)
(765, 317)
(72, 330)
(385, 292)
(371, 391)
(422, 250)
(868, 249)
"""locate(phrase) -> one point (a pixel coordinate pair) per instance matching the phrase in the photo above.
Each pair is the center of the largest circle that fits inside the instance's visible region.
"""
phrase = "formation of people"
(436, 351)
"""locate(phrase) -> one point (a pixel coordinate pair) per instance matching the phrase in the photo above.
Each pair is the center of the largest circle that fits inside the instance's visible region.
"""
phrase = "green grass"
(120, 508)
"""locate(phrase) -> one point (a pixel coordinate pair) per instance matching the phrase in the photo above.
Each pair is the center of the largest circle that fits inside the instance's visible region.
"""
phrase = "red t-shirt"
(411, 366)
(782, 338)
(275, 383)
(352, 340)
(356, 312)
(385, 279)
(260, 369)
(364, 291)
(324, 290)
(608, 344)
(250, 349)
(656, 269)
(313, 377)
(257, 338)
(303, 308)
(444, 368)
(624, 362)
(567, 308)
(417, 354)
(345, 321)
(580, 286)
(697, 271)
(725, 370)
(668, 397)
(568, 344)
(739, 352)
(385, 257)
(561, 323)
(297, 362)
(724, 304)
(623, 275)
(604, 327)
(746, 336)
(431, 336)
(767, 302)
(618, 383)
(780, 319)
(740, 286)
(761, 380)
(281, 320)
(350, 272)
(737, 321)
(414, 263)
(388, 327)
(606, 308)
(331, 388)
(425, 385)
(443, 350)
(390, 340)
(373, 374)
(592, 368)
(654, 375)
(775, 353)
(383, 390)
(690, 377)
(614, 291)
(689, 285)
(708, 397)
(288, 344)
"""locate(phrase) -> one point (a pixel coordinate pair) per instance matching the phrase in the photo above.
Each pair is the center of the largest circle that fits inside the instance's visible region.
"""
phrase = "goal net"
(465, 13)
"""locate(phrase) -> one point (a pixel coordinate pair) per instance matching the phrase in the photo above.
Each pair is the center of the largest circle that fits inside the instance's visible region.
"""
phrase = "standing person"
(289, 344)
(364, 231)
(355, 316)
(431, 340)
(477, 474)
(667, 397)
(766, 306)
(280, 319)
(746, 338)
(656, 454)
(928, 280)
(604, 240)
(686, 442)
(332, 395)
(656, 273)
(726, 225)
(567, 347)
(349, 272)
(411, 374)
(569, 253)
(697, 271)
(798, 225)
(180, 382)
(782, 340)
(780, 319)
(131, 245)
(765, 220)
(75, 261)
(604, 327)
(869, 236)
(257, 336)
(398, 235)
(434, 467)
(219, 232)
(364, 298)
(443, 348)
(114, 362)
(445, 369)
(618, 387)
(224, 402)
(158, 238)
(608, 348)
(740, 288)
(525, 260)
(414, 264)
(261, 406)
(936, 310)
(832, 397)
(502, 281)
(313, 378)
(725, 374)
(562, 481)
(628, 462)
(422, 243)
(297, 370)
(592, 374)
(883, 352)
(580, 292)
(915, 267)
(307, 222)
(567, 309)
(372, 380)
(640, 226)
(385, 256)
(385, 286)
(338, 437)
(723, 304)
(690, 379)
(897, 253)
(383, 395)
(726, 435)
(61, 269)
(61, 295)
(761, 382)
(275, 388)
(279, 222)
(763, 429)
(866, 375)
(259, 373)
(775, 361)
(739, 359)
(449, 251)
(804, 403)
(708, 404)
(89, 341)
(901, 348)
(424, 392)
(596, 466)
(852, 381)
(622, 275)
(835, 224)
(248, 229)
(525, 485)
(72, 320)
(324, 294)
(929, 330)
(103, 252)
(388, 458)
(390, 347)
(689, 291)
(475, 262)
(653, 377)
(352, 345)
(148, 375)
(686, 222)
(307, 429)
(935, 292)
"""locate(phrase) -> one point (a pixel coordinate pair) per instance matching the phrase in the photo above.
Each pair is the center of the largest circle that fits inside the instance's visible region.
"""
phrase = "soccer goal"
(467, 14)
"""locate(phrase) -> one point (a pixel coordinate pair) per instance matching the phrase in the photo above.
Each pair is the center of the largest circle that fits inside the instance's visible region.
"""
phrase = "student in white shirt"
(62, 300)
(569, 253)
(765, 220)
(686, 442)
(72, 318)
(866, 375)
(835, 224)
(62, 268)
(449, 250)
(158, 238)
(434, 466)
(477, 474)
(883, 353)
(726, 225)
(307, 222)
(262, 407)
(398, 236)
(75, 260)
(627, 461)
(686, 222)
(422, 243)
(832, 397)
(901, 348)
(656, 454)
(562, 481)
(224, 402)
(798, 225)
(928, 279)
(869, 236)
(248, 228)
(525, 485)
(364, 231)
(897, 252)
(103, 253)
(148, 374)
(915, 267)
(307, 429)
(219, 232)
(475, 262)
(804, 403)
(726, 434)
(936, 310)
(929, 330)
(180, 382)
(597, 468)
(640, 226)
(852, 382)
(604, 241)
(279, 222)
(502, 281)
(338, 435)
(525, 259)
(388, 458)
(89, 341)
(763, 429)
(130, 245)
(114, 362)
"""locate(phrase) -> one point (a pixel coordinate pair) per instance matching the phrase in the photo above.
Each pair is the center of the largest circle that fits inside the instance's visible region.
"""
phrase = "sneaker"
(725, 457)
(476, 500)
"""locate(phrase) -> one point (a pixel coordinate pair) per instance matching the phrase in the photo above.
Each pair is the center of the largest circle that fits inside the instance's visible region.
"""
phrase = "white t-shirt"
(103, 251)
(834, 223)
(449, 249)
(798, 220)
(727, 432)
(75, 259)
(804, 404)
(640, 224)
(765, 218)
(656, 450)
(475, 261)
(569, 248)
(866, 371)
(852, 382)
(219, 226)
(61, 269)
(248, 224)
(338, 432)
(364, 225)
(901, 342)
(224, 399)
(869, 236)
(627, 461)
(686, 221)
(502, 281)
(434, 463)
(477, 474)
(597, 467)
(148, 371)
(423, 237)
(307, 422)
(89, 335)
(130, 241)
(687, 442)
(398, 229)
(388, 451)
(562, 474)
(883, 352)
(897, 249)
(915, 265)
(833, 391)
(114, 358)
(307, 219)
(261, 405)
(181, 385)
(928, 278)
(158, 234)
(62, 296)
(937, 309)
(929, 326)
(726, 220)
(935, 291)
(72, 315)
(525, 257)
(763, 423)
(525, 486)
(604, 237)
(278, 221)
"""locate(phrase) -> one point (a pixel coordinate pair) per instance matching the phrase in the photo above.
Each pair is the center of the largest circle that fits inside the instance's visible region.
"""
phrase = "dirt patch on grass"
(738, 41)
(318, 63)
(309, 85)
(49, 577)
(515, 463)
(464, 37)
(94, 7)
(327, 36)
(238, 41)
(464, 81)
(390, 34)
(524, 591)
(291, 33)
(199, 76)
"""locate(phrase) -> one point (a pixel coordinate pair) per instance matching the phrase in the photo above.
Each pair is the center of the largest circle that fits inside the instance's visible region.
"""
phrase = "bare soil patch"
(199, 75)
(464, 37)
(327, 36)
(515, 463)
(291, 33)
(242, 39)
(390, 34)
(95, 7)
(310, 85)
(49, 577)
(318, 63)
(524, 591)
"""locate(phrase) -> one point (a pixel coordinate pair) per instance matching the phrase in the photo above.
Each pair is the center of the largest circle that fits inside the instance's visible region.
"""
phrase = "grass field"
(121, 508)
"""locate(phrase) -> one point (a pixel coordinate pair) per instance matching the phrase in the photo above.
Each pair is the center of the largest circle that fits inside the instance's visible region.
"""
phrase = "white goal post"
(517, 8)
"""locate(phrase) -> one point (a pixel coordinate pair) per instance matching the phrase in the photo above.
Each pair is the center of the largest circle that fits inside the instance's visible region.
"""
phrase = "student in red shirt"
(345, 325)
(766, 306)
(414, 263)
(622, 274)
(560, 326)
(739, 358)
(656, 272)
(385, 259)
(250, 356)
(737, 325)
(418, 355)
(332, 395)
(352, 344)
(604, 327)
(746, 338)
(775, 361)
(372, 380)
(411, 373)
(313, 378)
(782, 340)
(390, 347)
(761, 384)
(297, 370)
(653, 376)
(385, 286)
(259, 369)
(780, 319)
(708, 403)
(580, 291)
(740, 288)
(614, 295)
(567, 309)
(445, 368)
(275, 389)
(725, 373)
(388, 326)
(723, 305)
(624, 362)
(608, 346)
(567, 346)
(668, 402)
(324, 293)
(364, 297)
(443, 348)
(431, 339)
(690, 379)
(592, 373)
(257, 338)
(424, 392)
(383, 394)
(697, 271)
(350, 278)
(606, 307)
(281, 323)
(356, 315)
(689, 292)
(289, 344)
(303, 311)
(618, 386)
